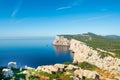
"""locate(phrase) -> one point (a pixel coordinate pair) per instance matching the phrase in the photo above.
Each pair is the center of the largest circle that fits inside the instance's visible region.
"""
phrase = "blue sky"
(52, 17)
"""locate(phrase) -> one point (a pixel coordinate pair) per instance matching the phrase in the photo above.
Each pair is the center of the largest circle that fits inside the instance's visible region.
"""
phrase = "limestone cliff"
(82, 53)
(60, 40)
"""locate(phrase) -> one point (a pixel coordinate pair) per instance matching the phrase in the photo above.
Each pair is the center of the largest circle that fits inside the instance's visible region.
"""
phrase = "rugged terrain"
(95, 58)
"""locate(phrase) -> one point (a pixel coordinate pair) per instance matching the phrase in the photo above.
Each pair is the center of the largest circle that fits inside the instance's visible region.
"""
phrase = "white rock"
(71, 67)
(49, 69)
(78, 73)
(60, 40)
(60, 65)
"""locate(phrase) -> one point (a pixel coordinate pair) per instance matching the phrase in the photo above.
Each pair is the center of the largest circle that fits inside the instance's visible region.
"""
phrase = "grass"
(36, 75)
(67, 63)
(87, 66)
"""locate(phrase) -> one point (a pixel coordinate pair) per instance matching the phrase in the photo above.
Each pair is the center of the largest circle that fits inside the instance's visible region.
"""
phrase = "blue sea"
(32, 52)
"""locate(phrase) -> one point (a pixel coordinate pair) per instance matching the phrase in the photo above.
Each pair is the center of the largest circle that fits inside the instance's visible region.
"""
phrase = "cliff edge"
(84, 53)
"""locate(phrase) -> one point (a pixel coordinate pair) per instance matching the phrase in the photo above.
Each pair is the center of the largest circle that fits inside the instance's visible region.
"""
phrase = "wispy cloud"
(66, 7)
(70, 5)
(17, 8)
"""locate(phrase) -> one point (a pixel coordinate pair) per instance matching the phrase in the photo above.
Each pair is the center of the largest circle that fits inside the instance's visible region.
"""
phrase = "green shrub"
(67, 63)
(88, 66)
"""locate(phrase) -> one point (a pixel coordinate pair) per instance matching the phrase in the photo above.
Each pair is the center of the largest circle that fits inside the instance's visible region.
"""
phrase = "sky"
(52, 17)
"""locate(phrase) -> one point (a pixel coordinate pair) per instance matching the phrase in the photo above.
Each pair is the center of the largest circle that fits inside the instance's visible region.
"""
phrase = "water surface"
(32, 52)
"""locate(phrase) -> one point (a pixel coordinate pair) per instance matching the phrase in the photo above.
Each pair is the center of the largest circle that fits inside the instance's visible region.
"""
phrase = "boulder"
(49, 69)
(86, 73)
(7, 72)
(60, 65)
(12, 65)
(90, 74)
(71, 67)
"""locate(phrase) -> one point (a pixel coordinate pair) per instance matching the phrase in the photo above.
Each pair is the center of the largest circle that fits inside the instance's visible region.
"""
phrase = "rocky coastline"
(87, 65)
(84, 53)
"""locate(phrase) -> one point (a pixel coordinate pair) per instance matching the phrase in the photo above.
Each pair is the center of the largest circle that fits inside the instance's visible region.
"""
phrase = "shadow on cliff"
(61, 49)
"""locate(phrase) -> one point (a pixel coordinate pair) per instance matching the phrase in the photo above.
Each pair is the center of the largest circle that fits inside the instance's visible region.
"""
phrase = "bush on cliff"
(88, 66)
(67, 63)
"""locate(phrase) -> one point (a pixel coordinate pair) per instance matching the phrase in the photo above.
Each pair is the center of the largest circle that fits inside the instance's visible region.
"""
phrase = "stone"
(7, 72)
(71, 67)
(12, 65)
(49, 69)
(78, 73)
(60, 65)
(90, 74)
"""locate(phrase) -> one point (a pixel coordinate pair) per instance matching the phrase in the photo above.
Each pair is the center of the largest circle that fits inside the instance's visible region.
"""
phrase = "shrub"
(88, 66)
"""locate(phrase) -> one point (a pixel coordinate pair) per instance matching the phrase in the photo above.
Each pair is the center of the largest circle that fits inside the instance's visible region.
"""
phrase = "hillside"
(97, 41)
(112, 36)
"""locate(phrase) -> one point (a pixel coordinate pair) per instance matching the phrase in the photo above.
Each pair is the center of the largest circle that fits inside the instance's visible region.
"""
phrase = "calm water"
(32, 52)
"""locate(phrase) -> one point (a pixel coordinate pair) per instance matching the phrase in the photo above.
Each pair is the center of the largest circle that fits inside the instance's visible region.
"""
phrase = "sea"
(33, 52)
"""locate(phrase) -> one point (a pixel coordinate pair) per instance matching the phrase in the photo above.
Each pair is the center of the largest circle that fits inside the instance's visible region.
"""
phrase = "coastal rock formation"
(84, 53)
(80, 74)
(72, 67)
(60, 40)
(49, 69)
(7, 73)
(12, 65)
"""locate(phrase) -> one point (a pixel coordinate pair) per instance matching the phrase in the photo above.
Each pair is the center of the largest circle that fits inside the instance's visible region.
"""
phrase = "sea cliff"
(84, 53)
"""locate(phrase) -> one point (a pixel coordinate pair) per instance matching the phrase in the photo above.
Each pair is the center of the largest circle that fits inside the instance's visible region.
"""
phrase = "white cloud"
(70, 5)
(66, 7)
(16, 10)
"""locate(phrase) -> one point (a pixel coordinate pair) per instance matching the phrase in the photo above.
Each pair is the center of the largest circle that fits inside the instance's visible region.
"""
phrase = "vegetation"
(97, 41)
(36, 75)
(87, 66)
(67, 63)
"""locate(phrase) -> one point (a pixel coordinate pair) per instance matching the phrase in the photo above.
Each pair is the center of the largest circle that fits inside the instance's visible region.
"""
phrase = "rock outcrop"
(60, 40)
(78, 73)
(84, 53)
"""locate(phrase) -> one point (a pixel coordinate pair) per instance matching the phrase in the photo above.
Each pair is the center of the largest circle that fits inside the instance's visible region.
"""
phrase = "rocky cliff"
(84, 53)
(60, 40)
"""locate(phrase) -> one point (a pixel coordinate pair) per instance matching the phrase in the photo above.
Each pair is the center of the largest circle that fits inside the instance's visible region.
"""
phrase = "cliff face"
(60, 40)
(82, 53)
